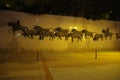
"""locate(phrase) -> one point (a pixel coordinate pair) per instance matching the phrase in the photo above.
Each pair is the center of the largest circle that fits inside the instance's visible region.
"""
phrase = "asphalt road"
(32, 65)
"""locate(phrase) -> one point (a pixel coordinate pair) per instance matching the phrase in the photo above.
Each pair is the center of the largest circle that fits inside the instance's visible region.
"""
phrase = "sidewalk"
(35, 71)
(61, 66)
(16, 71)
(104, 72)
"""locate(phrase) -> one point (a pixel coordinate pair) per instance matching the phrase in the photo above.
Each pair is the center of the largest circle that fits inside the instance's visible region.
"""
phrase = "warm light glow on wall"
(73, 27)
(18, 34)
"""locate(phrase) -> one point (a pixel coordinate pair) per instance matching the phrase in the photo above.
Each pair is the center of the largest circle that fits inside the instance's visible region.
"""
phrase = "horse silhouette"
(98, 36)
(59, 32)
(29, 33)
(76, 34)
(88, 34)
(16, 27)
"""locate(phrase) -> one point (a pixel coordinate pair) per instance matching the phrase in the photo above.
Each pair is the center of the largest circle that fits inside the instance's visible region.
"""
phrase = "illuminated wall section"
(53, 21)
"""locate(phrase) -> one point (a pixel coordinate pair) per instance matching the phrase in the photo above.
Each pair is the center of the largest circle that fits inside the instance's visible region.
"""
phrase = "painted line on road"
(47, 72)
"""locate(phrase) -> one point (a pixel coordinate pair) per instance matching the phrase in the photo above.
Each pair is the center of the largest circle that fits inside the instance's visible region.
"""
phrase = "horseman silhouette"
(16, 26)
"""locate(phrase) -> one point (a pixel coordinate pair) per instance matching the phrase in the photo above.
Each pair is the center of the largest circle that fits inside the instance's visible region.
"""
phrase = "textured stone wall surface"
(7, 40)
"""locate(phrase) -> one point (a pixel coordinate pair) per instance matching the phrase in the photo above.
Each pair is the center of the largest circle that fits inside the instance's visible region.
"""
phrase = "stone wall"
(7, 40)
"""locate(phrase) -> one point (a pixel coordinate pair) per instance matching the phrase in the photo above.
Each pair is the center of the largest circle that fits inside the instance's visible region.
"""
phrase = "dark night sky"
(93, 9)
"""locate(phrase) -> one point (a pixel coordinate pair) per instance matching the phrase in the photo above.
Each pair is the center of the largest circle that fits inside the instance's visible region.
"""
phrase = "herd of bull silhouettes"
(60, 33)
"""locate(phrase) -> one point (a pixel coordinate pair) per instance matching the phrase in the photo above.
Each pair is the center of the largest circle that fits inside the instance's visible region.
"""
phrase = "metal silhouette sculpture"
(107, 34)
(15, 25)
(88, 34)
(29, 33)
(98, 37)
(76, 34)
(60, 33)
